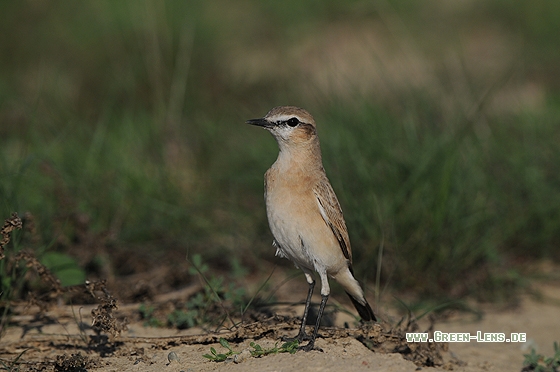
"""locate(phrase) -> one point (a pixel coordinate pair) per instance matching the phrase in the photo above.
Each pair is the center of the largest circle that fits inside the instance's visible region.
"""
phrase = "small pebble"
(528, 345)
(244, 355)
(172, 356)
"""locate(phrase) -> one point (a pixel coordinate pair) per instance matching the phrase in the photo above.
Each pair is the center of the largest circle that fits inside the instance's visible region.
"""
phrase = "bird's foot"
(310, 346)
(300, 337)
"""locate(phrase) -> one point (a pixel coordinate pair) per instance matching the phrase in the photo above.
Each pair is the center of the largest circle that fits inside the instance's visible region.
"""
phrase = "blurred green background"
(122, 129)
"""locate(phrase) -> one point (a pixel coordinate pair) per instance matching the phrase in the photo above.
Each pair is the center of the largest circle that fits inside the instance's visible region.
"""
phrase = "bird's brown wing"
(332, 214)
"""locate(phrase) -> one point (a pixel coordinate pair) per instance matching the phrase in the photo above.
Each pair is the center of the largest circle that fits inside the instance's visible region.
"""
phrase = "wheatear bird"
(304, 214)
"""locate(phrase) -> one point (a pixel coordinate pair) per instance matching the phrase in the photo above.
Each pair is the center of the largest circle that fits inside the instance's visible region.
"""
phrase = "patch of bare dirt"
(62, 339)
(109, 333)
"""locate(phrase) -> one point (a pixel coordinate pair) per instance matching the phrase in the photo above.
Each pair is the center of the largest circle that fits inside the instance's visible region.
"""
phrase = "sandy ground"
(148, 349)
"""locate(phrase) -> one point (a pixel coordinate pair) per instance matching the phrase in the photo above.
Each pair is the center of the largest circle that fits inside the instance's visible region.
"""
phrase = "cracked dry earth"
(53, 342)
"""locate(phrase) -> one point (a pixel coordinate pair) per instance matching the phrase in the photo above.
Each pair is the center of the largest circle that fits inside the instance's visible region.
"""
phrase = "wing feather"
(332, 215)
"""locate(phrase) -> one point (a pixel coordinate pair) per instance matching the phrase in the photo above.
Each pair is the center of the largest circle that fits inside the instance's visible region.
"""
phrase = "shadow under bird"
(304, 214)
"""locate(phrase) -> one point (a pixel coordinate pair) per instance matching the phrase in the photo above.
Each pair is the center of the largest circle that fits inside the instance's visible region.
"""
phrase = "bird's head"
(290, 125)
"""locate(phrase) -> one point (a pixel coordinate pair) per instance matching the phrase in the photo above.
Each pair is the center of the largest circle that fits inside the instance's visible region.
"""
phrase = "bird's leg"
(325, 291)
(311, 343)
(302, 335)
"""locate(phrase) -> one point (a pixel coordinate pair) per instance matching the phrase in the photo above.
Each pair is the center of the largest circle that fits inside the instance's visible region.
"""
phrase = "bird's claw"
(310, 346)
(300, 337)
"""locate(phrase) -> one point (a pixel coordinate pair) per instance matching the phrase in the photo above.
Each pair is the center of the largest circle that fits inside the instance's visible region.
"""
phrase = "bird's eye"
(293, 122)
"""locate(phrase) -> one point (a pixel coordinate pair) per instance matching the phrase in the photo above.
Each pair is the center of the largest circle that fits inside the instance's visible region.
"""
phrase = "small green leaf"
(64, 267)
(224, 343)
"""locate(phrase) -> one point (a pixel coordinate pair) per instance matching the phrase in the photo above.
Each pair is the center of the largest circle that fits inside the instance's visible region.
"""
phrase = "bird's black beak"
(261, 122)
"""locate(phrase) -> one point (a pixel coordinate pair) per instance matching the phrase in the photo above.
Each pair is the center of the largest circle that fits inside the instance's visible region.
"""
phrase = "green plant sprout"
(539, 363)
(287, 347)
(257, 352)
(147, 313)
(215, 357)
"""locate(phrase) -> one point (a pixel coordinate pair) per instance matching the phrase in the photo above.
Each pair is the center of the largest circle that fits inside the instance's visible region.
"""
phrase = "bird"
(304, 214)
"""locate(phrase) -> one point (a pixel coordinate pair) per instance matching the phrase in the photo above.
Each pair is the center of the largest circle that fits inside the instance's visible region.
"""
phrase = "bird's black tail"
(365, 311)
